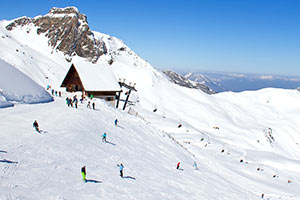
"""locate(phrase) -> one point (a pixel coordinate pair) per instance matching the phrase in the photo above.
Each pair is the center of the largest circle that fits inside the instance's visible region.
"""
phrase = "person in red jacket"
(178, 165)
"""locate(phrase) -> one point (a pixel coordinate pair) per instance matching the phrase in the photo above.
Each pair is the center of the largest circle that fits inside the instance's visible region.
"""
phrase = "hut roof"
(96, 77)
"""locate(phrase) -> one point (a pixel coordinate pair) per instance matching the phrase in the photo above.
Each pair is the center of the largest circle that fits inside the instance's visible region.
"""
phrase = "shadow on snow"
(7, 161)
(129, 177)
(108, 142)
(92, 181)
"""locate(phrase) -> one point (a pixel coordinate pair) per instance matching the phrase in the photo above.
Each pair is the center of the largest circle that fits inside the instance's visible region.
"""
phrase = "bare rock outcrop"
(68, 32)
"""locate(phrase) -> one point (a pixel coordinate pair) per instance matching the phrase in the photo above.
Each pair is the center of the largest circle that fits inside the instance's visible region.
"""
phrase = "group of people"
(54, 92)
(121, 166)
(194, 164)
(72, 101)
(105, 134)
(89, 105)
(83, 171)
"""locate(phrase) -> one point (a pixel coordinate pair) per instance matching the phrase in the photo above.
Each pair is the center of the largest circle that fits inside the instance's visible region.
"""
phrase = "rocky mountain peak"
(68, 32)
(185, 82)
(71, 11)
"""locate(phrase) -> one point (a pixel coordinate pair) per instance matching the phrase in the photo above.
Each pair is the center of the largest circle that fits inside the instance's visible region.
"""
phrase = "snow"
(17, 87)
(96, 77)
(228, 134)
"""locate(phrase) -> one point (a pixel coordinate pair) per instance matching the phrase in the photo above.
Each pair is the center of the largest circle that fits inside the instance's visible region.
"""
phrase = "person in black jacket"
(36, 126)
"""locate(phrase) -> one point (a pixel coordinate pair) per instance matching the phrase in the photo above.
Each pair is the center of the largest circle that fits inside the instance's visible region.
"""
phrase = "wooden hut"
(93, 80)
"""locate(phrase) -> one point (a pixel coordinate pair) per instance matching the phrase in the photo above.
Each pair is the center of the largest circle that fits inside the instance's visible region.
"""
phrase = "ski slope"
(47, 165)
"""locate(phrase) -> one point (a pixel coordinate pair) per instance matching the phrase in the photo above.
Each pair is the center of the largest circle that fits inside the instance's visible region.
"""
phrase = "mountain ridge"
(67, 30)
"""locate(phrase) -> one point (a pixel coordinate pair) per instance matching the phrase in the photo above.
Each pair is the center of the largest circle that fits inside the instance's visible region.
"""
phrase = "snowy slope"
(17, 87)
(246, 144)
(47, 165)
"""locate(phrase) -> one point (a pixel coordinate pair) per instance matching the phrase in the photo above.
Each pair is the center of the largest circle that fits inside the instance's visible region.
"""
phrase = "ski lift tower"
(130, 87)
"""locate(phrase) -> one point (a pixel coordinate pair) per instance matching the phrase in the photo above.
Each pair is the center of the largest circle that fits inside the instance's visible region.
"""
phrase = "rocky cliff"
(68, 32)
(183, 81)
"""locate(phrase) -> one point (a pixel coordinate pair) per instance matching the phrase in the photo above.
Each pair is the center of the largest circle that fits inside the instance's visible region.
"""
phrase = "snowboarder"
(178, 165)
(83, 172)
(121, 169)
(104, 137)
(195, 165)
(93, 104)
(36, 126)
(116, 122)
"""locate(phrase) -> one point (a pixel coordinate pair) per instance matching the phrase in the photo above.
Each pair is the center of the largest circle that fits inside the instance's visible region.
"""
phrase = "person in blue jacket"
(104, 137)
(195, 165)
(121, 169)
(116, 122)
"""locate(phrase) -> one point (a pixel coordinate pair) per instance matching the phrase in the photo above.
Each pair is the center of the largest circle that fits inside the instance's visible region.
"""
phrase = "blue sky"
(247, 36)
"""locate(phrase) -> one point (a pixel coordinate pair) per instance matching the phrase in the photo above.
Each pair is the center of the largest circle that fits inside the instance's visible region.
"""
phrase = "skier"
(75, 100)
(195, 165)
(82, 98)
(121, 169)
(83, 172)
(71, 102)
(93, 104)
(116, 122)
(36, 126)
(104, 137)
(59, 93)
(178, 164)
(89, 105)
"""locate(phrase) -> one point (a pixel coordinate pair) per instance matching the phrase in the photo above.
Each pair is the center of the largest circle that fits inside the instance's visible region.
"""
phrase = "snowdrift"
(17, 87)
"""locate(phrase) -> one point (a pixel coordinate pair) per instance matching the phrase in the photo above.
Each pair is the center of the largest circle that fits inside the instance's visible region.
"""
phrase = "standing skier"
(36, 126)
(75, 101)
(195, 165)
(83, 172)
(178, 165)
(116, 122)
(93, 104)
(104, 137)
(121, 169)
(89, 104)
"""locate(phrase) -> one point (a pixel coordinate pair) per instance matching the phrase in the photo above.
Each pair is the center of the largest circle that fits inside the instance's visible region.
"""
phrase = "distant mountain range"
(238, 82)
(186, 82)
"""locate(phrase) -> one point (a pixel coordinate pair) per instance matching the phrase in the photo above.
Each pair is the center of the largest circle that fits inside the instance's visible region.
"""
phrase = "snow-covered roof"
(97, 77)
